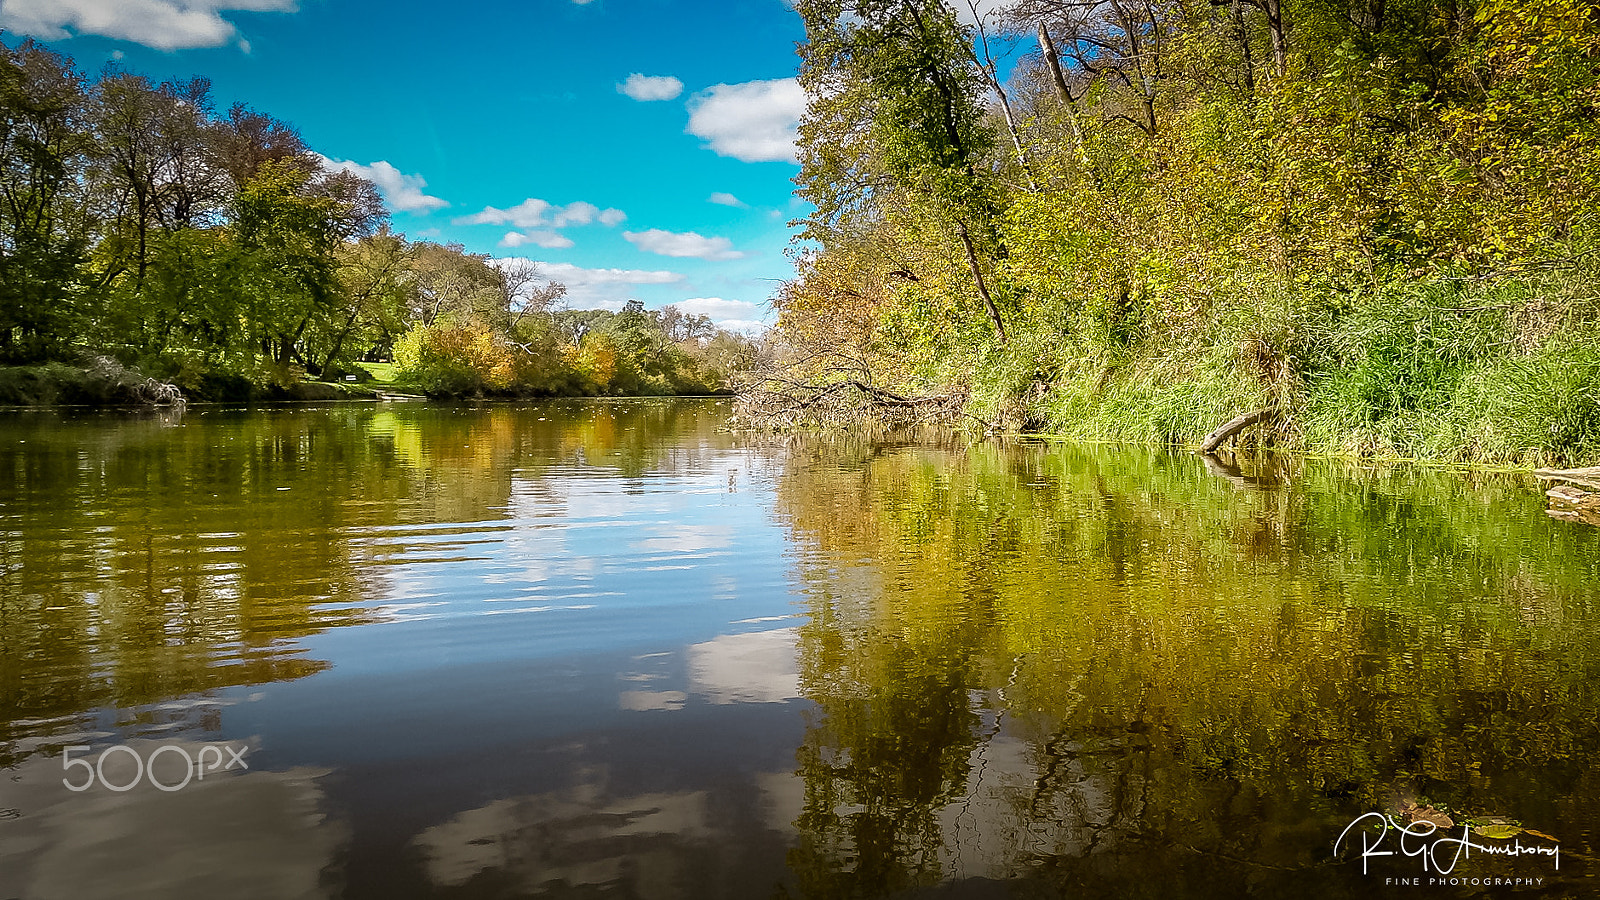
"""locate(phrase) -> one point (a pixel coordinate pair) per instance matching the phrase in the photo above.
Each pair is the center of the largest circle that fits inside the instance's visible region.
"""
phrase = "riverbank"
(1502, 372)
(1444, 368)
(103, 383)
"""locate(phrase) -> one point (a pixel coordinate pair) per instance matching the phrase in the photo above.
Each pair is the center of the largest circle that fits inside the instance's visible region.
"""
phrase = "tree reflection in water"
(1119, 671)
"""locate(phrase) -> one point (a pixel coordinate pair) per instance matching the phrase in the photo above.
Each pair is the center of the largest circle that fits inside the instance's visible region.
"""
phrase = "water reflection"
(1117, 671)
(233, 832)
(580, 649)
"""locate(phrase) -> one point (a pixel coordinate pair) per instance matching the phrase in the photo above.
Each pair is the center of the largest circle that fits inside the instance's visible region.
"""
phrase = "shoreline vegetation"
(153, 247)
(1373, 222)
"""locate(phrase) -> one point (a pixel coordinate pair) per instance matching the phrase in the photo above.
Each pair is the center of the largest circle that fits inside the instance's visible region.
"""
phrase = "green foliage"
(626, 354)
(894, 129)
(43, 239)
(454, 359)
(1543, 407)
(1379, 219)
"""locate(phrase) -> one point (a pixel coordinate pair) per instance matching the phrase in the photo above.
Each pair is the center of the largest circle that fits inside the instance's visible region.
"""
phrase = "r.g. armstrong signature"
(1440, 854)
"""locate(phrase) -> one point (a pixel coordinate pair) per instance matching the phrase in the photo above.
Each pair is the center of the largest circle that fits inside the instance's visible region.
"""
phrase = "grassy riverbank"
(1500, 372)
(101, 382)
(105, 384)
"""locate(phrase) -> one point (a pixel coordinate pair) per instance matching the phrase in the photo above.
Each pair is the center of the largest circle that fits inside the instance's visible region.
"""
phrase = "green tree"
(375, 278)
(893, 121)
(287, 239)
(44, 146)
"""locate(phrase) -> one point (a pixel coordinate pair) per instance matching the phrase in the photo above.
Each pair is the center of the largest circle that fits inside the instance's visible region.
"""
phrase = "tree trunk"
(1016, 139)
(1280, 45)
(1052, 60)
(983, 287)
(1216, 438)
(1588, 478)
(338, 342)
(1244, 48)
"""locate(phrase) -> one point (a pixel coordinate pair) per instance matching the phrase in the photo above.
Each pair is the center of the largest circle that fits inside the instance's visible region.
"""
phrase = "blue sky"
(635, 148)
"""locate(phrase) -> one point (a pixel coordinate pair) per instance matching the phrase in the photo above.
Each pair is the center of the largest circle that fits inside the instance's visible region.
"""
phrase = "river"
(611, 648)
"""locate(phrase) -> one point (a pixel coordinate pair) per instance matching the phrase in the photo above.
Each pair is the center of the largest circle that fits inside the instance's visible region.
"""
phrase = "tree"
(456, 285)
(245, 140)
(286, 237)
(155, 170)
(378, 293)
(892, 117)
(44, 144)
(524, 290)
(1118, 42)
(684, 328)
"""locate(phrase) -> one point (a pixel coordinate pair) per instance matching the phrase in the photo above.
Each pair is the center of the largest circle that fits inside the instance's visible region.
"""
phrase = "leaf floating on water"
(1498, 832)
(1413, 813)
(1541, 835)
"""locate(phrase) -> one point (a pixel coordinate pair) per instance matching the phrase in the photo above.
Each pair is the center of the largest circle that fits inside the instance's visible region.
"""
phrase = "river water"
(611, 649)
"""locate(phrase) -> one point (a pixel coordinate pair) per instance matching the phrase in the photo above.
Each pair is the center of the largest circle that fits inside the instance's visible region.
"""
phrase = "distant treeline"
(140, 225)
(1376, 218)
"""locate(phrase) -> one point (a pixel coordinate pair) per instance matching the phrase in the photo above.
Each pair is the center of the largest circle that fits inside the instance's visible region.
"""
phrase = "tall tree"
(287, 238)
(155, 169)
(893, 117)
(1122, 43)
(44, 143)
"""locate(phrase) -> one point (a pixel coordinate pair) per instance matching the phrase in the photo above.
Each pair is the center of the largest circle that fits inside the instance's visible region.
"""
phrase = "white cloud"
(753, 122)
(571, 275)
(725, 199)
(719, 309)
(404, 192)
(162, 24)
(550, 240)
(687, 244)
(747, 327)
(599, 288)
(536, 213)
(651, 87)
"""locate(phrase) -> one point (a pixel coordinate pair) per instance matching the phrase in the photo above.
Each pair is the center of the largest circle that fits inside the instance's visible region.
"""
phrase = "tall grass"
(1502, 371)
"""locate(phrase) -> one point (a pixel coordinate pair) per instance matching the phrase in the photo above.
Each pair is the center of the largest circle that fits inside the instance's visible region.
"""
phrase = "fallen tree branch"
(775, 399)
(1589, 478)
(1216, 438)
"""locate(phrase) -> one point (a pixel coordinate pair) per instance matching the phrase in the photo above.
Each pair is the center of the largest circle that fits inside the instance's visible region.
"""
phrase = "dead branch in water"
(775, 401)
(1216, 438)
(834, 386)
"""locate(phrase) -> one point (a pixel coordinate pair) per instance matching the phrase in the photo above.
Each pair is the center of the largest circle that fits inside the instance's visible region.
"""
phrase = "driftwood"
(1572, 499)
(1589, 478)
(777, 401)
(1216, 438)
(125, 385)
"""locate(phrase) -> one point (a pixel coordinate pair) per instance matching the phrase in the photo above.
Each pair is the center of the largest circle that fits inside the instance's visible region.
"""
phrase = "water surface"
(612, 649)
